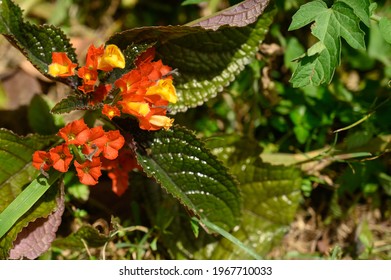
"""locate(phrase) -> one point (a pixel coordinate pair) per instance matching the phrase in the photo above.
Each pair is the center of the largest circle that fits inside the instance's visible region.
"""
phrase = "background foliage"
(339, 174)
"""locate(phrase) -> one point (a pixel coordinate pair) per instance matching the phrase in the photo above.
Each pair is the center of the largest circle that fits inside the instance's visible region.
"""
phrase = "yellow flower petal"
(111, 58)
(165, 89)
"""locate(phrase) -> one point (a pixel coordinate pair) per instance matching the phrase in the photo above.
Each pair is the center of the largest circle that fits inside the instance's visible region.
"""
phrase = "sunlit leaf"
(331, 24)
(189, 172)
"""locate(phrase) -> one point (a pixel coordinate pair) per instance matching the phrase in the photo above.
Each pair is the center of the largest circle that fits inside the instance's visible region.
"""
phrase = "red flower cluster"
(90, 150)
(144, 92)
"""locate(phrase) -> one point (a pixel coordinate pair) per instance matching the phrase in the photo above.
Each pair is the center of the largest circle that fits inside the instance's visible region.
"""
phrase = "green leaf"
(385, 29)
(189, 172)
(331, 24)
(271, 196)
(40, 118)
(16, 172)
(207, 58)
(361, 9)
(36, 42)
(85, 235)
(192, 2)
(71, 103)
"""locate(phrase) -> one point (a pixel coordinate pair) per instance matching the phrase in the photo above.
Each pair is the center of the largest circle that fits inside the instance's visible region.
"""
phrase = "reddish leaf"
(38, 236)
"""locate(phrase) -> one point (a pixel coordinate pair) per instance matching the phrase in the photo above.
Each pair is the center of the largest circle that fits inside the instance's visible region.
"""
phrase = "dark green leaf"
(40, 118)
(36, 42)
(71, 103)
(206, 59)
(189, 172)
(85, 235)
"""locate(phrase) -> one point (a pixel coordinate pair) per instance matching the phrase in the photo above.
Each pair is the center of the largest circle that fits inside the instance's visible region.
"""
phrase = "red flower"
(76, 132)
(89, 171)
(41, 160)
(61, 65)
(115, 142)
(61, 157)
(100, 94)
(120, 181)
(146, 57)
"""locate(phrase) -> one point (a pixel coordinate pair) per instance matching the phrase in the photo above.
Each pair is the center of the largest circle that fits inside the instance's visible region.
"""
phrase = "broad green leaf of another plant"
(188, 171)
(331, 24)
(16, 172)
(385, 29)
(208, 53)
(271, 196)
(36, 42)
(361, 9)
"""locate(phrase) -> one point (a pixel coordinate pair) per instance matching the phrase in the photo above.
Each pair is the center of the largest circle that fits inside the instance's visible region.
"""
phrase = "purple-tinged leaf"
(37, 237)
(242, 14)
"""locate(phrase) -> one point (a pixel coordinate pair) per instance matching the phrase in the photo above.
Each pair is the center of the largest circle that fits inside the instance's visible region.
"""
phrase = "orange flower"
(113, 145)
(119, 170)
(156, 122)
(41, 160)
(138, 109)
(61, 65)
(110, 111)
(89, 76)
(133, 83)
(96, 142)
(89, 171)
(93, 56)
(61, 157)
(120, 181)
(76, 132)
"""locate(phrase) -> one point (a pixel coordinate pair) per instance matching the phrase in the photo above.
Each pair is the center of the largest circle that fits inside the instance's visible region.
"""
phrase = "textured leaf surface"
(240, 15)
(206, 59)
(36, 42)
(189, 172)
(270, 198)
(16, 172)
(70, 103)
(36, 238)
(331, 24)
